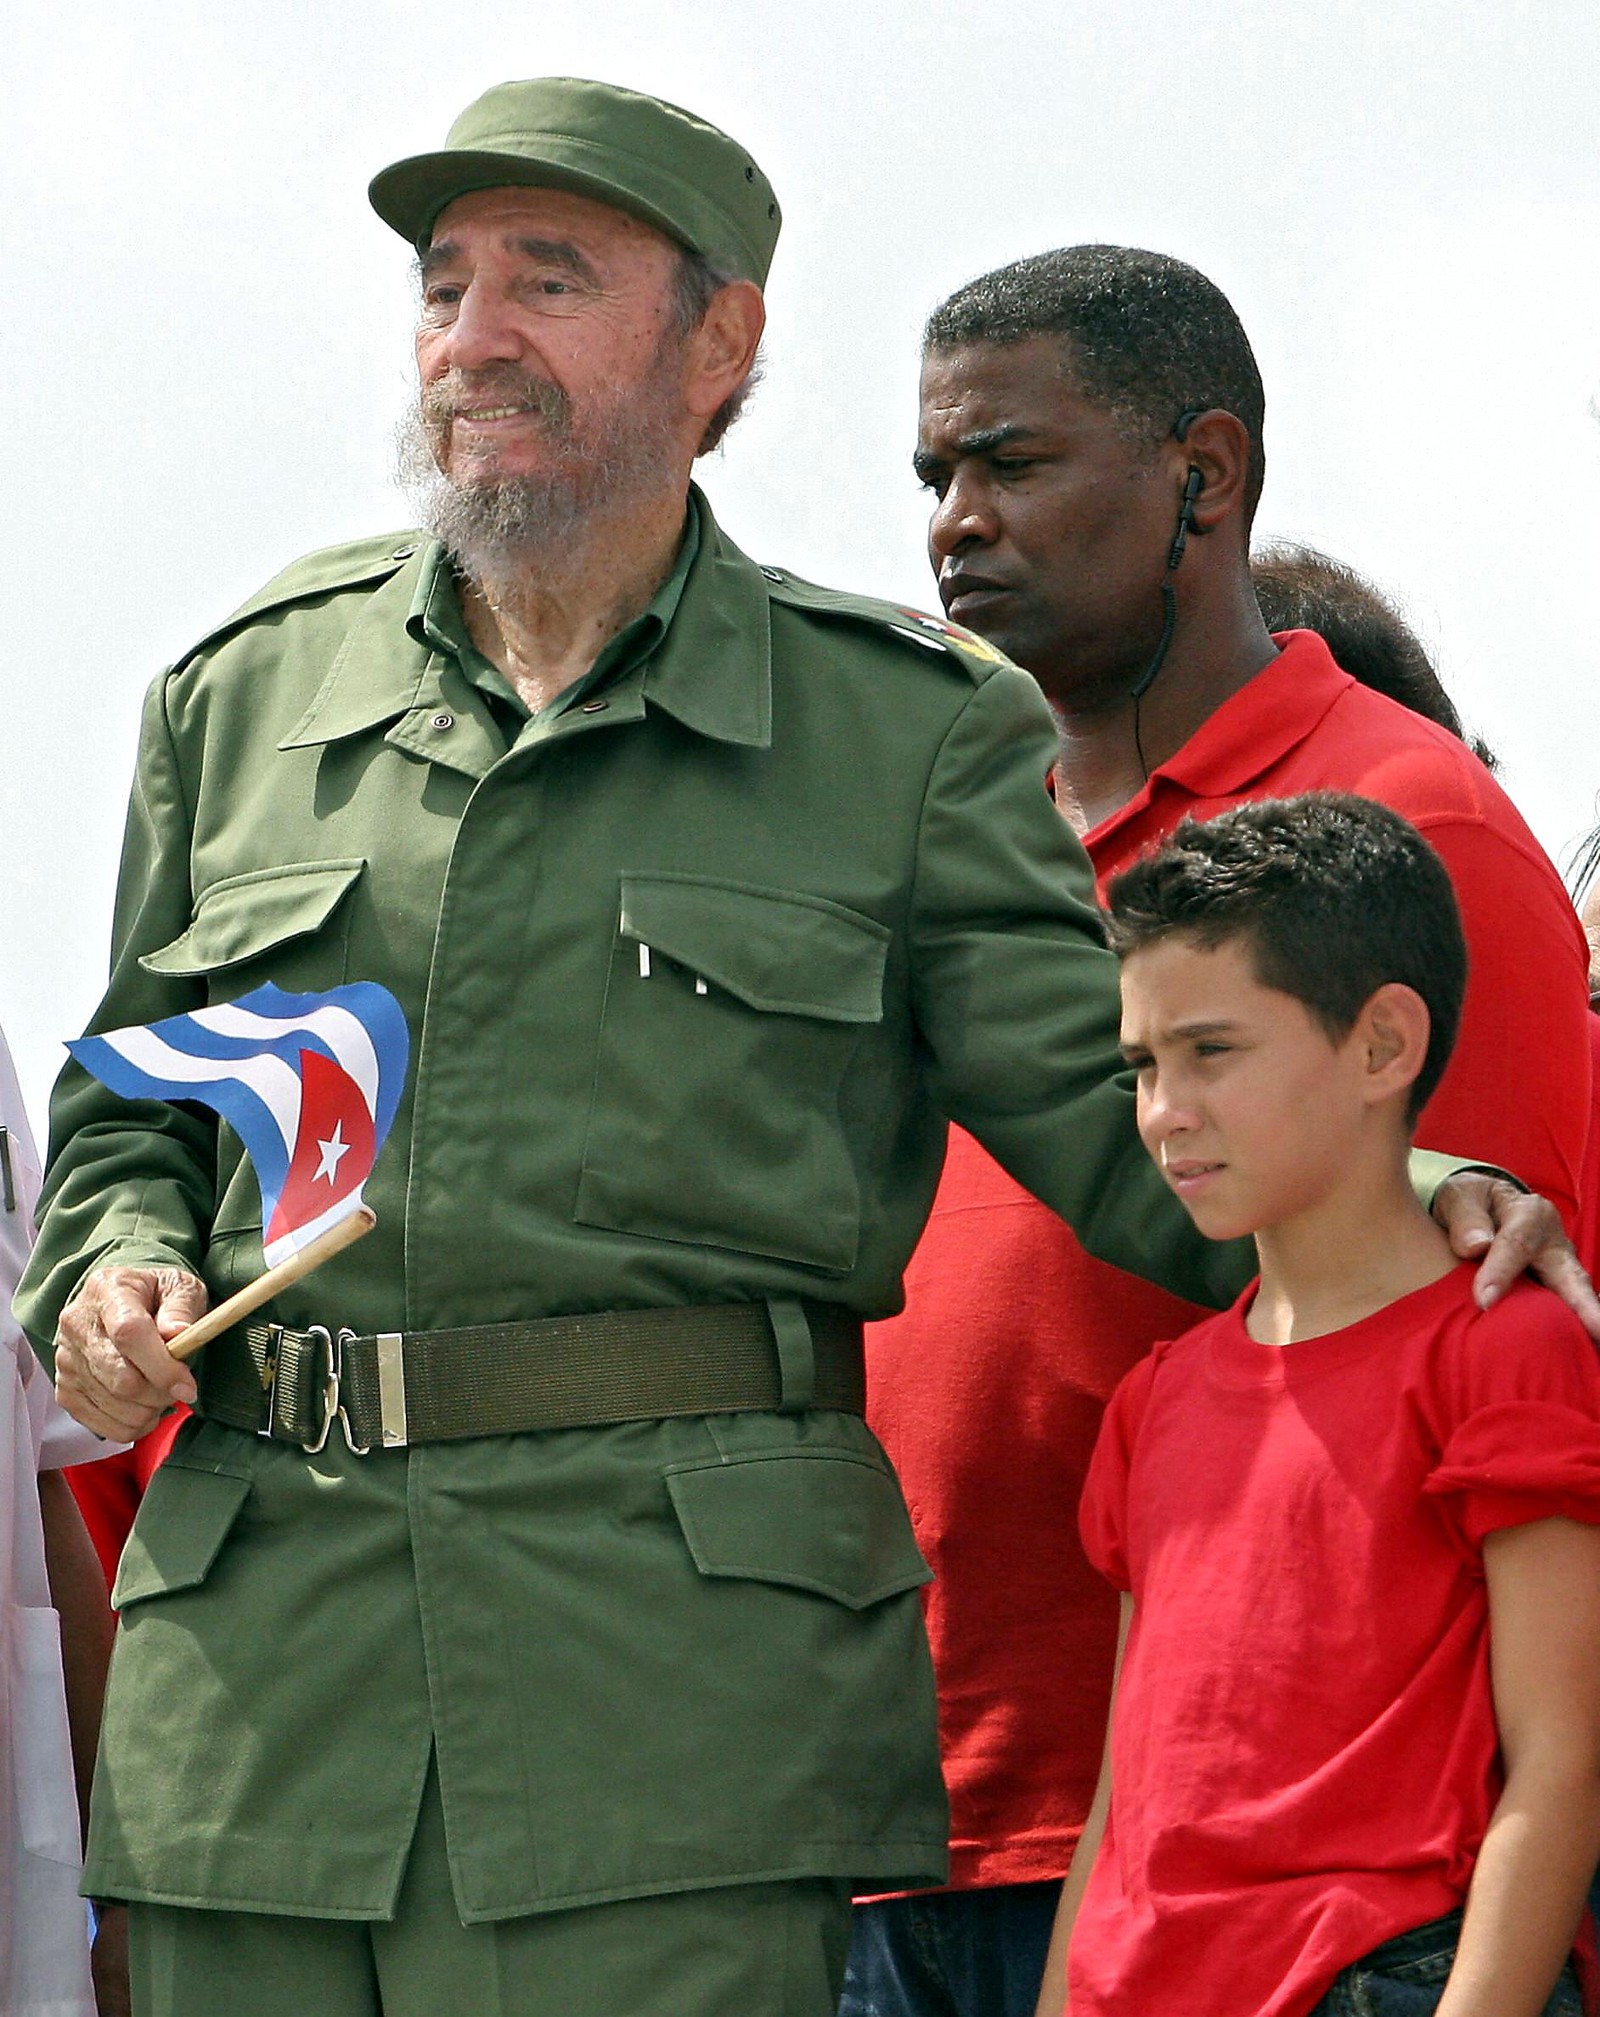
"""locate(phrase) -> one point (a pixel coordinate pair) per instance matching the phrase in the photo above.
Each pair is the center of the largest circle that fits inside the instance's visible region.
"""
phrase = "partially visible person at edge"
(55, 1639)
(590, 1680)
(1586, 895)
(1091, 429)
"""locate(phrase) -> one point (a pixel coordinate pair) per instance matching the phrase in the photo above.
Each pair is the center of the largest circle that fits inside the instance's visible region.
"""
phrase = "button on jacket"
(693, 979)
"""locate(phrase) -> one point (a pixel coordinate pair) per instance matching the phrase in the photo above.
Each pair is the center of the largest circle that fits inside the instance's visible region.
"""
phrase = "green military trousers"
(745, 1950)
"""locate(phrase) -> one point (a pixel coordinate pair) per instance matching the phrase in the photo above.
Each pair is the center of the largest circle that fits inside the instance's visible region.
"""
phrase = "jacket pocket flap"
(827, 1521)
(774, 950)
(183, 1520)
(245, 914)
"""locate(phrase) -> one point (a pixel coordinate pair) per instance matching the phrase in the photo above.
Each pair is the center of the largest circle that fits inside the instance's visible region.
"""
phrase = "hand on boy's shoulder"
(1511, 1232)
(1528, 1350)
(1514, 1411)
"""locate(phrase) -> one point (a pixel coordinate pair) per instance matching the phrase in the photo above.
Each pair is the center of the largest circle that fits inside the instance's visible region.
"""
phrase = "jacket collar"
(712, 670)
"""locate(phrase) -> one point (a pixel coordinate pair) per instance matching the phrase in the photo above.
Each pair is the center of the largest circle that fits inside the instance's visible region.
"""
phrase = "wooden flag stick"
(265, 1287)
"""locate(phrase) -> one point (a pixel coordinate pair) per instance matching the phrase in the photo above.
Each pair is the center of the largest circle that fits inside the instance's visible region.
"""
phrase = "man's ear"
(1217, 443)
(1393, 1030)
(720, 352)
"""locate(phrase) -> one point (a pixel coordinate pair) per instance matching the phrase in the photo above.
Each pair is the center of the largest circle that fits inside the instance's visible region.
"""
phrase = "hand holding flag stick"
(344, 1233)
(310, 1084)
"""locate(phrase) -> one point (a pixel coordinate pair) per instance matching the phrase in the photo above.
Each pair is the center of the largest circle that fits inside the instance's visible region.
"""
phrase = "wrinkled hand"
(113, 1370)
(1513, 1233)
(109, 1962)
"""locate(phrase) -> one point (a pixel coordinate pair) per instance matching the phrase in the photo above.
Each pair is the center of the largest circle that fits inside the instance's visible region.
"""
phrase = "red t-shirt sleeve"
(1525, 1441)
(1517, 1088)
(1518, 1461)
(1103, 1509)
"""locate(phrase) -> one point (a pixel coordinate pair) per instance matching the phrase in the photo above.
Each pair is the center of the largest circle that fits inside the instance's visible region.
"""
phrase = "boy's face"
(1251, 1110)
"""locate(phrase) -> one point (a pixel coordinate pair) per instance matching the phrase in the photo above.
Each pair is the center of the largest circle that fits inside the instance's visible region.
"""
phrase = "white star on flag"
(332, 1153)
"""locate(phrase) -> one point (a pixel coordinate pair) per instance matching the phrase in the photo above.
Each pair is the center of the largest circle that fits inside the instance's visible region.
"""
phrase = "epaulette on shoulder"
(360, 563)
(975, 655)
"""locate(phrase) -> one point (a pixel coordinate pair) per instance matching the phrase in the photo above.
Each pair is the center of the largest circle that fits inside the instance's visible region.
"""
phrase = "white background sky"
(207, 329)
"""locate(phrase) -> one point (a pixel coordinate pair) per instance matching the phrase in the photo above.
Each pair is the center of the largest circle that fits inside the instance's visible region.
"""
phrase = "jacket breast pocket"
(286, 924)
(732, 1017)
(289, 925)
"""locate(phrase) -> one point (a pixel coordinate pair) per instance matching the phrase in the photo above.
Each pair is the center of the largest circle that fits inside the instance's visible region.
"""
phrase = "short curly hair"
(1147, 337)
(1336, 896)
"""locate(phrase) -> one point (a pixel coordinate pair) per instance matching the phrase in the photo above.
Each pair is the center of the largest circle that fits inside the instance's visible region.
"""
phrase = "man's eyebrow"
(443, 252)
(555, 252)
(981, 441)
(542, 251)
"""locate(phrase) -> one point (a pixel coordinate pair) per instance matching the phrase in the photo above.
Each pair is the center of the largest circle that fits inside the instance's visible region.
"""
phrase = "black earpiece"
(1193, 485)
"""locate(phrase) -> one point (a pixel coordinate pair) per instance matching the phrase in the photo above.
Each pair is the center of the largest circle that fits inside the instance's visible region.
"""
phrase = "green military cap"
(639, 154)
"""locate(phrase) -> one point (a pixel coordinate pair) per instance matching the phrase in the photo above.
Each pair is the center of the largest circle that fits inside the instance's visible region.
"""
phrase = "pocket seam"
(346, 871)
(854, 1598)
(277, 873)
(849, 1000)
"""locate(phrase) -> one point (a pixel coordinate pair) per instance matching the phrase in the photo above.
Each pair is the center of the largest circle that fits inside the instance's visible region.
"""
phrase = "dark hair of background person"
(1147, 337)
(1299, 588)
(1335, 896)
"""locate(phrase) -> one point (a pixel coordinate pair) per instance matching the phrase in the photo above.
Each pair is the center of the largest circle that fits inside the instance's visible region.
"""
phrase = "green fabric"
(833, 821)
(769, 1950)
(436, 618)
(636, 153)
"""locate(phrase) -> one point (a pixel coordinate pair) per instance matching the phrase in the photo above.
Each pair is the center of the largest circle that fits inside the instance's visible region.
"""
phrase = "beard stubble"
(619, 451)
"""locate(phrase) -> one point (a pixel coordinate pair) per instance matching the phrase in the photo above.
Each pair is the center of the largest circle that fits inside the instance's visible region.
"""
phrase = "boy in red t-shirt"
(1357, 1519)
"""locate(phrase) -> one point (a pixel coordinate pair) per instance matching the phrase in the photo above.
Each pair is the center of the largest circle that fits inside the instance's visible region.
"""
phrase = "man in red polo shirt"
(1091, 432)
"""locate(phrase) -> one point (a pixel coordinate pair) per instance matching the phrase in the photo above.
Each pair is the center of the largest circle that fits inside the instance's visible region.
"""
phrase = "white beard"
(494, 526)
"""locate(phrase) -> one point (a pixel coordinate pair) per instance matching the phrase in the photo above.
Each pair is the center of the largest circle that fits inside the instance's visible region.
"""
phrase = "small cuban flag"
(309, 1083)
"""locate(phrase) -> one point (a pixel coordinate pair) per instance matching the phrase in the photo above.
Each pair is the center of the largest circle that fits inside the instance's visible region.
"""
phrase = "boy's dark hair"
(1146, 336)
(1335, 896)
(1299, 588)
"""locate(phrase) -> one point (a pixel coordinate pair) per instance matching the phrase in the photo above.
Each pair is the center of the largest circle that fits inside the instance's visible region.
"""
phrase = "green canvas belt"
(402, 1387)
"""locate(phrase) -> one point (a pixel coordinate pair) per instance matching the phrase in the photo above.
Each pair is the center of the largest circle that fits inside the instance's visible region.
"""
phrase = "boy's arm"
(1053, 1989)
(1543, 1839)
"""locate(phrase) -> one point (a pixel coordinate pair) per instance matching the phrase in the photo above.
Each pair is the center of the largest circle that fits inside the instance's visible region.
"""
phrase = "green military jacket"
(657, 1655)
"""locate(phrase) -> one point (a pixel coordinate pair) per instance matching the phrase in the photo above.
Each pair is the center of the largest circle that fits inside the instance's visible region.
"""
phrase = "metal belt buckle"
(392, 1389)
(328, 1384)
(336, 1406)
(269, 1379)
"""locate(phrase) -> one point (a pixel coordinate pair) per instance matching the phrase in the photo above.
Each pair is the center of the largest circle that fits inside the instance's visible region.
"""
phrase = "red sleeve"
(1103, 1509)
(1519, 1461)
(1517, 1089)
(1525, 1440)
(108, 1491)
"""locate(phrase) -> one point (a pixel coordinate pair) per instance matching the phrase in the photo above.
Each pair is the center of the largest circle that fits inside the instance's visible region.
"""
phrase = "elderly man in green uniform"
(586, 1681)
